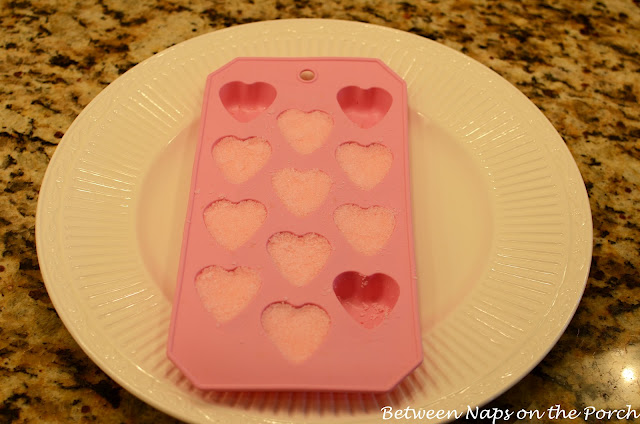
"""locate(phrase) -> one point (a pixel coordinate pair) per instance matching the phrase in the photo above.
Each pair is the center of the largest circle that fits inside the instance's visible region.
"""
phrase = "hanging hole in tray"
(307, 75)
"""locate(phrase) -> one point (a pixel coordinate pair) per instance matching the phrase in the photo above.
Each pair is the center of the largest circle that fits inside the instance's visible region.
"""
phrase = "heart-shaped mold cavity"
(239, 159)
(364, 107)
(225, 293)
(301, 192)
(305, 131)
(365, 166)
(232, 224)
(366, 229)
(299, 258)
(246, 101)
(368, 299)
(296, 331)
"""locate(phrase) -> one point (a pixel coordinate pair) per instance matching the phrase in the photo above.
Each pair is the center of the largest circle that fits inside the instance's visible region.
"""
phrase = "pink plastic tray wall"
(239, 354)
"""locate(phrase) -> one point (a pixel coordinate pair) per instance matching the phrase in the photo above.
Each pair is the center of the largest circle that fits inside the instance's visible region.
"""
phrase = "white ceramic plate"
(502, 223)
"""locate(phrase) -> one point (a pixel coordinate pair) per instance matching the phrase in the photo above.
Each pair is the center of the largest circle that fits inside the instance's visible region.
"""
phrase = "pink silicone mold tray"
(297, 269)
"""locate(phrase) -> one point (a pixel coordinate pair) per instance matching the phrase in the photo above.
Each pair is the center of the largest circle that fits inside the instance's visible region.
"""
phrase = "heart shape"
(365, 108)
(305, 131)
(225, 293)
(232, 224)
(301, 192)
(299, 258)
(296, 331)
(246, 101)
(368, 299)
(366, 229)
(365, 166)
(239, 159)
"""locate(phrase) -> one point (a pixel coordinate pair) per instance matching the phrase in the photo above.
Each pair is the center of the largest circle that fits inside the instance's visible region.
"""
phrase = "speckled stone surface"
(579, 62)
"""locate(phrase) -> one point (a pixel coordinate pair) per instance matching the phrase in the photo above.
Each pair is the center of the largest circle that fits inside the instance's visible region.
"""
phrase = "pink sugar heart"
(239, 159)
(246, 101)
(233, 224)
(225, 293)
(366, 229)
(365, 166)
(305, 131)
(296, 331)
(299, 258)
(369, 299)
(302, 192)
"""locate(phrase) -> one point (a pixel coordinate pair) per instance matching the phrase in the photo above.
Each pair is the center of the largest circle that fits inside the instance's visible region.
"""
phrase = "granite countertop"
(579, 62)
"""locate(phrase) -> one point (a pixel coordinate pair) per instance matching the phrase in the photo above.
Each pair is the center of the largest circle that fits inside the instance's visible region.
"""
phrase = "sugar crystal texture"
(240, 160)
(305, 131)
(299, 258)
(226, 293)
(297, 332)
(302, 192)
(366, 229)
(365, 166)
(233, 224)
